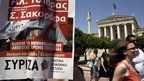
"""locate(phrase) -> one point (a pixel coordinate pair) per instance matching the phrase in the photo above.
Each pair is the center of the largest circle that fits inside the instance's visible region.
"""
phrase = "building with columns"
(117, 26)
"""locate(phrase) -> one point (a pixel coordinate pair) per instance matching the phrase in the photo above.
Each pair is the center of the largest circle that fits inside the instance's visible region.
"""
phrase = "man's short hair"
(129, 36)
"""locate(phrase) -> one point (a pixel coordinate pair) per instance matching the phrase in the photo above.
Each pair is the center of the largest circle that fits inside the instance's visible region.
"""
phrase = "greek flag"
(114, 5)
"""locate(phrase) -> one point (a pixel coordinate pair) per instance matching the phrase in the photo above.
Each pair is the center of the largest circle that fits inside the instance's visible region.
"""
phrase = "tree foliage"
(79, 40)
(140, 40)
(105, 43)
(84, 41)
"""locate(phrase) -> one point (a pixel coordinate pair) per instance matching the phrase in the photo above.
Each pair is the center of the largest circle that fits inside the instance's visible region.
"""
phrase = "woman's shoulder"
(121, 65)
(121, 68)
(120, 71)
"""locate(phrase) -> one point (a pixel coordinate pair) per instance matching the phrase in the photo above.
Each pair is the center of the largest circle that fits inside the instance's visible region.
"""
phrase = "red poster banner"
(36, 39)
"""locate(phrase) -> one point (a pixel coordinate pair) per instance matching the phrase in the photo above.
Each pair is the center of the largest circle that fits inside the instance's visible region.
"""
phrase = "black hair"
(129, 36)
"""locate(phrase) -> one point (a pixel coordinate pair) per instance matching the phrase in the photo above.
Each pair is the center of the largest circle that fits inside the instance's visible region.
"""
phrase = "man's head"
(131, 39)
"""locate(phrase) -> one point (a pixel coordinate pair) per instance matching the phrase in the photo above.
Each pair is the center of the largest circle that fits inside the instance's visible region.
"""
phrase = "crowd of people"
(125, 62)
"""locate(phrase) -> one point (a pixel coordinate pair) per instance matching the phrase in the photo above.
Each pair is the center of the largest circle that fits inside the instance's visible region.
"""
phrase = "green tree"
(79, 40)
(85, 41)
(140, 40)
(105, 43)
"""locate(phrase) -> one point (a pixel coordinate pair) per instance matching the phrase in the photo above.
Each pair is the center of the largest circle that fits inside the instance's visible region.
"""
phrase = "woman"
(104, 67)
(95, 65)
(123, 55)
(139, 59)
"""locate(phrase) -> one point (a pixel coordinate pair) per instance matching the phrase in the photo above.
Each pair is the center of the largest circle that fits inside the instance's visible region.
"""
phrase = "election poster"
(36, 39)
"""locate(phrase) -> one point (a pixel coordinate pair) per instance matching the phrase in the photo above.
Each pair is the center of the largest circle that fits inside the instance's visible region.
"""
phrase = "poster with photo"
(36, 39)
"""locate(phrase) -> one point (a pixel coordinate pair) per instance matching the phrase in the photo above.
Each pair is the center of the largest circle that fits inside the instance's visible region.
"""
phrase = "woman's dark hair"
(104, 54)
(117, 53)
(95, 51)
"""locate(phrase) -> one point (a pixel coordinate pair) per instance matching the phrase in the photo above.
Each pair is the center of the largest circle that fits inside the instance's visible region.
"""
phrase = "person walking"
(95, 65)
(104, 67)
(123, 55)
(139, 59)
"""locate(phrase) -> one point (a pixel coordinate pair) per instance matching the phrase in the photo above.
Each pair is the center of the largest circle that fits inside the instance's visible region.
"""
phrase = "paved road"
(87, 77)
(87, 74)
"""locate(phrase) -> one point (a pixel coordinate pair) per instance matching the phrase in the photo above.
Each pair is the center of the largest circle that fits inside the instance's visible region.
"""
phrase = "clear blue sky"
(101, 9)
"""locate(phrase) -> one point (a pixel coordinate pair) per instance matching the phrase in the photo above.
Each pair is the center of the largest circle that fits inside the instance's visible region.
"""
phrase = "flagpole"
(113, 8)
(113, 12)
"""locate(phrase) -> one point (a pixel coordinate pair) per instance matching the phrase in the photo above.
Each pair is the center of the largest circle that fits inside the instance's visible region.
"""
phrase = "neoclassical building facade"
(117, 26)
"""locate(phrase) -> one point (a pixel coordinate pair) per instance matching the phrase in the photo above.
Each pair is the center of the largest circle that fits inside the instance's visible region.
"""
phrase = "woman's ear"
(124, 52)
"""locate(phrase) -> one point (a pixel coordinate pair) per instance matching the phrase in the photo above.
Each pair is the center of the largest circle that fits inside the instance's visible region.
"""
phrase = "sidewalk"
(87, 73)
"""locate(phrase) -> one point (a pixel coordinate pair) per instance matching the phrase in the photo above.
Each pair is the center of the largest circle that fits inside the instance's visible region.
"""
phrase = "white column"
(133, 29)
(111, 31)
(89, 27)
(118, 31)
(125, 30)
(89, 22)
(105, 32)
(99, 32)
